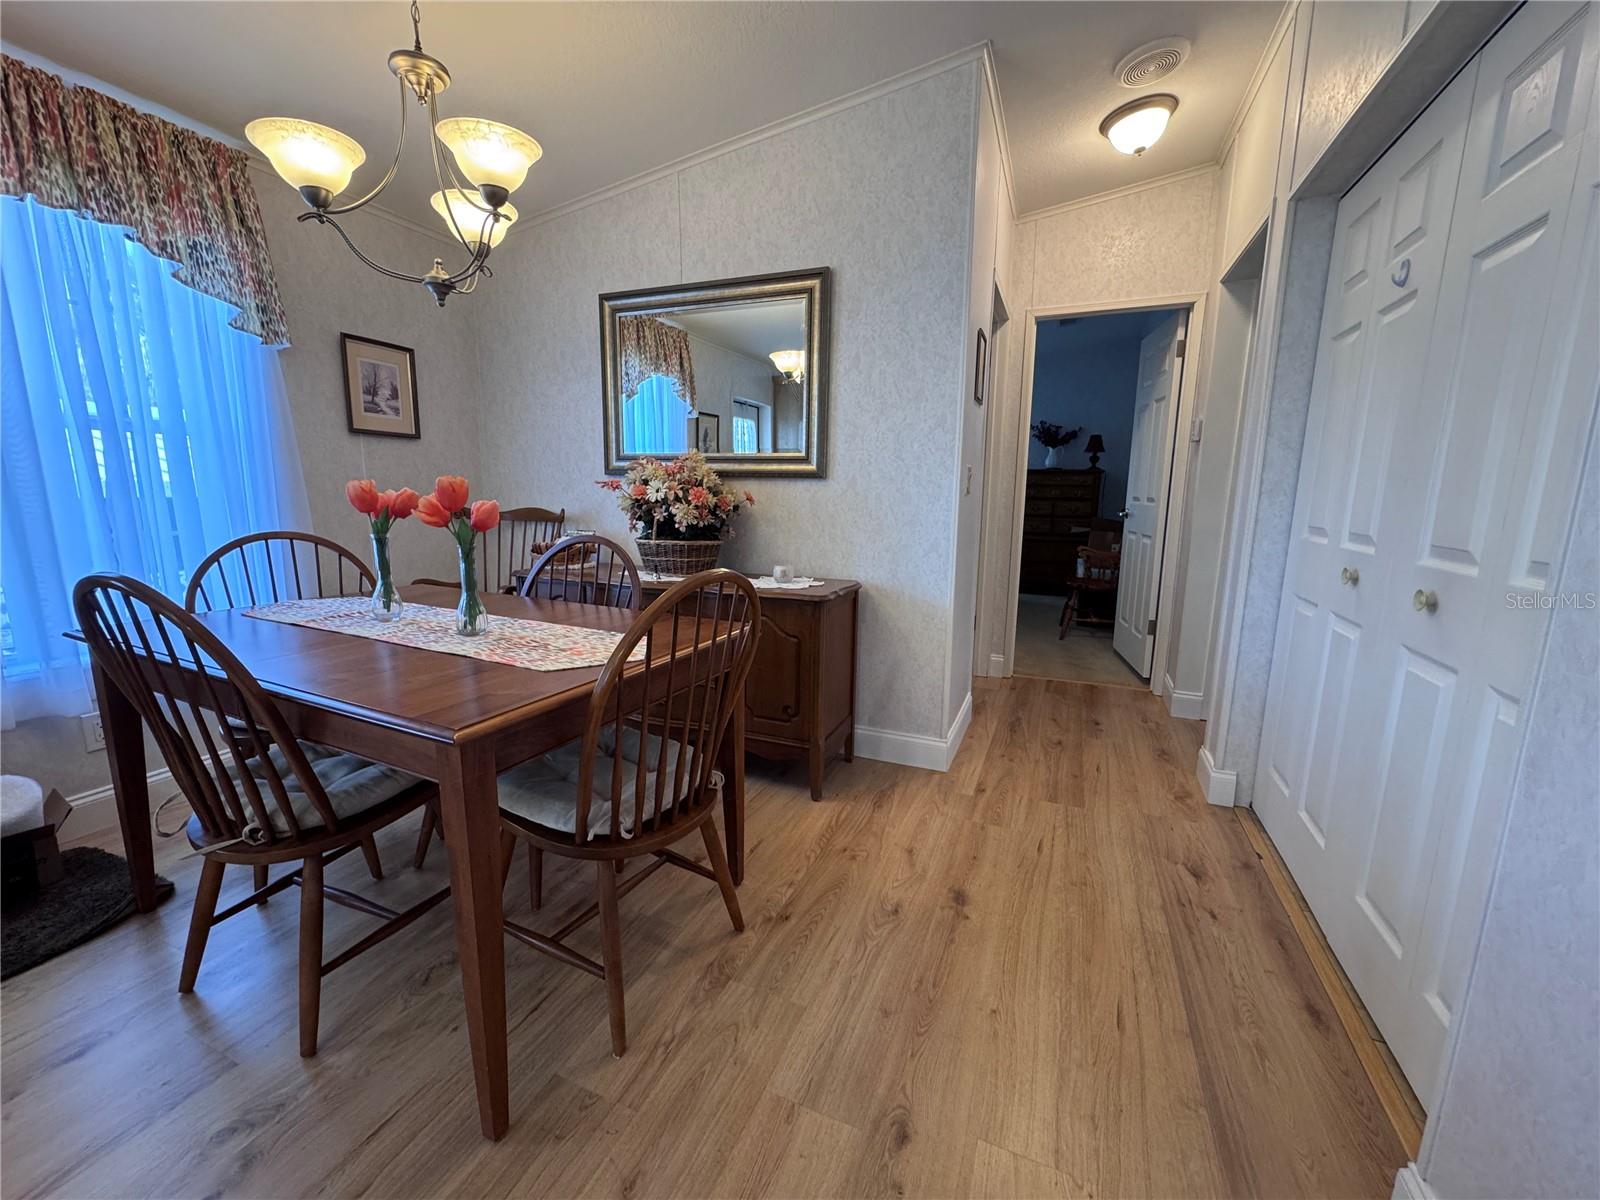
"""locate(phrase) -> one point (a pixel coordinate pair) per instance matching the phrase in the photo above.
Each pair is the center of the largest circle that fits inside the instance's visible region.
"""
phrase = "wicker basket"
(664, 556)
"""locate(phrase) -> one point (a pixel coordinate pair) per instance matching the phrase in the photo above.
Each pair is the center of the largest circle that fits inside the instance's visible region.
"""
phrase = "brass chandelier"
(477, 164)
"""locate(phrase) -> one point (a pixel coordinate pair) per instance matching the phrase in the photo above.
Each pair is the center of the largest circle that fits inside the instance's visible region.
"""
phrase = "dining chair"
(1098, 569)
(587, 569)
(280, 564)
(521, 536)
(258, 795)
(643, 776)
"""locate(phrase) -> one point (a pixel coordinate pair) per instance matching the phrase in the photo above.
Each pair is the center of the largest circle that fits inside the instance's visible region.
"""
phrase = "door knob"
(1350, 576)
(1425, 601)
(1123, 514)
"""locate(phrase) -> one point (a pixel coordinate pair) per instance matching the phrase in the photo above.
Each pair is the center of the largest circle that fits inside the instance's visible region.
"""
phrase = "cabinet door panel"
(781, 676)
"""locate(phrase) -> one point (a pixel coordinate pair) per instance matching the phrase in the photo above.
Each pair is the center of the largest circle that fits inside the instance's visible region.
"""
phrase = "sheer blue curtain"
(654, 419)
(138, 431)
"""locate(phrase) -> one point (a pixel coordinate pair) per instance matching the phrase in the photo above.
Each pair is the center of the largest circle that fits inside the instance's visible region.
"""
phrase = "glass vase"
(471, 617)
(386, 603)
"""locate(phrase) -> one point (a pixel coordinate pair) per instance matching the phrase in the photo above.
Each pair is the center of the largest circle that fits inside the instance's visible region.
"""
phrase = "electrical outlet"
(94, 734)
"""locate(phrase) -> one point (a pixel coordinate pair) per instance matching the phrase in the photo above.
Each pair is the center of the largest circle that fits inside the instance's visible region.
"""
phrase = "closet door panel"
(1382, 291)
(1476, 470)
(1528, 528)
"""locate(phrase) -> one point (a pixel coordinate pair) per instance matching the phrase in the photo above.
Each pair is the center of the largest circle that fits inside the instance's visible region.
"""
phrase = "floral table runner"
(534, 645)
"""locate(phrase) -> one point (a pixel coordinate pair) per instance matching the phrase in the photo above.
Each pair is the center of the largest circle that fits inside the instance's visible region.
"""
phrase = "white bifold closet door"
(1455, 384)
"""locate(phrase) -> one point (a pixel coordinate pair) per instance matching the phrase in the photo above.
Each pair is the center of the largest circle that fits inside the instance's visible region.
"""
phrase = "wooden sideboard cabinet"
(1058, 510)
(800, 699)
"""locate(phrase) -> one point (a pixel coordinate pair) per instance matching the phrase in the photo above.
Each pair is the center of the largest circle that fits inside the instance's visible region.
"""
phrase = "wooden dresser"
(800, 699)
(1059, 509)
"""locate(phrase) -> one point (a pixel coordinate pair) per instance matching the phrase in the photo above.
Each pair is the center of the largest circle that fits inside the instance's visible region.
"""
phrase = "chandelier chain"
(416, 26)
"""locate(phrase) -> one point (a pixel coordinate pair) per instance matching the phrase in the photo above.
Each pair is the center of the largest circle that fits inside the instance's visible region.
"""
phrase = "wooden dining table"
(451, 718)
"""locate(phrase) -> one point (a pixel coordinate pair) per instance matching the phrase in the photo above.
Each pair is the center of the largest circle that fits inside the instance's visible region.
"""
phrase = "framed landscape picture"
(705, 433)
(380, 387)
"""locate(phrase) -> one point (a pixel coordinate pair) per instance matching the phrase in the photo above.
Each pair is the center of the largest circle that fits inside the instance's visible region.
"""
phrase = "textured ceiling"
(616, 89)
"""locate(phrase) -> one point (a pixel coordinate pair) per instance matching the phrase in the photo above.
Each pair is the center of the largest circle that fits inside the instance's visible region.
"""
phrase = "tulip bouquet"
(449, 507)
(382, 510)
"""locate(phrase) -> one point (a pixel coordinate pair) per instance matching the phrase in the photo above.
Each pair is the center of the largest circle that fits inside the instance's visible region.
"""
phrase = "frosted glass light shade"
(790, 363)
(1135, 127)
(471, 218)
(307, 154)
(489, 153)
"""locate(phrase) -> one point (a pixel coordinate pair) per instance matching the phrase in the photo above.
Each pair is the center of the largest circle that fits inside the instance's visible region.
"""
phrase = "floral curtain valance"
(648, 346)
(187, 198)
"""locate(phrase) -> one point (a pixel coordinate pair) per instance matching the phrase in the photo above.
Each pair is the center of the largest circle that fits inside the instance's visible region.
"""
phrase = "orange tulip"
(385, 502)
(431, 512)
(451, 492)
(403, 504)
(363, 495)
(485, 515)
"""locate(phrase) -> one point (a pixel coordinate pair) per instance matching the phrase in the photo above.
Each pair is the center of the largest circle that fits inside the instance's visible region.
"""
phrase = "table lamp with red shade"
(1094, 448)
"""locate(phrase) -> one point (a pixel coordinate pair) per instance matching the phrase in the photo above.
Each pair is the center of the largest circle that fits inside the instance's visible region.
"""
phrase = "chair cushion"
(544, 790)
(353, 785)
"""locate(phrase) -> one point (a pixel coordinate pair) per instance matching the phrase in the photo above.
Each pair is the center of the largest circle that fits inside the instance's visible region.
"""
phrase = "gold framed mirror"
(735, 368)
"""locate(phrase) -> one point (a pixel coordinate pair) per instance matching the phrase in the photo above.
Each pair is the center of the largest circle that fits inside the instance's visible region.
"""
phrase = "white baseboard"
(95, 811)
(1410, 1185)
(1188, 706)
(1218, 785)
(915, 749)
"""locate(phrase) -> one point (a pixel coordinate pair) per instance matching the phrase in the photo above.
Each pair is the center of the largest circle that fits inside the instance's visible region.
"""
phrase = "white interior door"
(1383, 288)
(1481, 508)
(1155, 409)
(1397, 698)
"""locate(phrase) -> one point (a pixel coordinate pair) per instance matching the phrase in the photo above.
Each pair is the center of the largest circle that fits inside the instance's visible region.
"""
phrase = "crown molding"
(1280, 30)
(1131, 189)
(991, 79)
(972, 54)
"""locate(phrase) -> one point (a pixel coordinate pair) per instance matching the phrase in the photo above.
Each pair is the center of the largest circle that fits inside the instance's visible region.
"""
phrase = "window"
(746, 427)
(752, 427)
(140, 431)
(655, 420)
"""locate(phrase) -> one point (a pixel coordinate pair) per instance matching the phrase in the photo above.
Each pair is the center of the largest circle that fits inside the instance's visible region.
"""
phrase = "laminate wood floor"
(1053, 971)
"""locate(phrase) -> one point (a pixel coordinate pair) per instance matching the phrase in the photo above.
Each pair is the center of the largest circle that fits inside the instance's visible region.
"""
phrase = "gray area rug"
(95, 895)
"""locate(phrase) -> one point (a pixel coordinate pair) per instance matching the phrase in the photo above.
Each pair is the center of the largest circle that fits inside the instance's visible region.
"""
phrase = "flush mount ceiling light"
(791, 364)
(1138, 125)
(477, 164)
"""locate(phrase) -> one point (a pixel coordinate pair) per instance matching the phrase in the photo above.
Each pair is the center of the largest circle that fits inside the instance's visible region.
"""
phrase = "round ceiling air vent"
(1152, 62)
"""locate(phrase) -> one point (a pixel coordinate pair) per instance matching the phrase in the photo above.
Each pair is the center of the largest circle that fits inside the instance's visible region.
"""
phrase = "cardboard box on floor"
(30, 859)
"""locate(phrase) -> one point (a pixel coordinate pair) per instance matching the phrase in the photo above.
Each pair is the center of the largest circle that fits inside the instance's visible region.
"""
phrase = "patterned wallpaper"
(326, 291)
(881, 193)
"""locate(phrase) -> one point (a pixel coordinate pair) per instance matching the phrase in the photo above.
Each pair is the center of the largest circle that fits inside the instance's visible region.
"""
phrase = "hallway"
(1083, 656)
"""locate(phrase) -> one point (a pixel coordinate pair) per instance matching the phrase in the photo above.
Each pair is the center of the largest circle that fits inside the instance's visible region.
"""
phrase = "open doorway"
(1105, 393)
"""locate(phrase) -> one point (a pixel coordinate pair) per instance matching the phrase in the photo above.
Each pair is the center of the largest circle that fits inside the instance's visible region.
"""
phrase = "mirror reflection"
(736, 369)
(724, 379)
